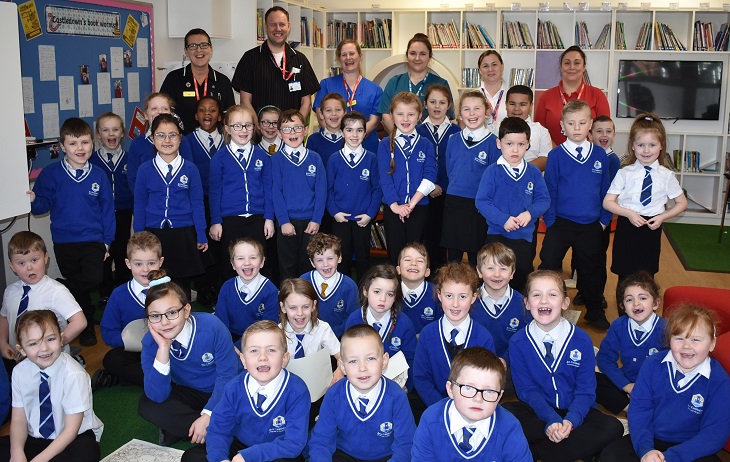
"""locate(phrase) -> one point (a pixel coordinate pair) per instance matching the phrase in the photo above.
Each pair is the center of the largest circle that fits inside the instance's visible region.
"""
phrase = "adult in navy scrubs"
(187, 85)
(417, 80)
(361, 94)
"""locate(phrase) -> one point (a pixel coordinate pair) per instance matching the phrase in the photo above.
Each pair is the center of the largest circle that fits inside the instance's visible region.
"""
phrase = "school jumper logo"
(386, 429)
(124, 169)
(530, 187)
(365, 174)
(514, 323)
(183, 181)
(653, 351)
(428, 313)
(259, 164)
(698, 401)
(312, 170)
(481, 157)
(260, 310)
(94, 189)
(279, 421)
(340, 306)
(597, 167)
(421, 156)
(395, 341)
(575, 357)
(207, 359)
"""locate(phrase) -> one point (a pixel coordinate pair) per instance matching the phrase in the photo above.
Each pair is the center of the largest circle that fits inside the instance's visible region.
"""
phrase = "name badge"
(352, 103)
(189, 94)
(295, 86)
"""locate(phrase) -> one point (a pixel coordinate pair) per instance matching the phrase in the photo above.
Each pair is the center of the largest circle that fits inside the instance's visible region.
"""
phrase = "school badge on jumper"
(95, 188)
(653, 351)
(279, 421)
(207, 358)
(340, 305)
(395, 341)
(311, 170)
(386, 429)
(260, 310)
(365, 174)
(575, 355)
(514, 323)
(428, 312)
(698, 401)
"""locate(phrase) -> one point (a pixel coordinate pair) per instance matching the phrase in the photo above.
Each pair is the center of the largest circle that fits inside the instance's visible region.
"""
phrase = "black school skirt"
(635, 249)
(182, 257)
(464, 228)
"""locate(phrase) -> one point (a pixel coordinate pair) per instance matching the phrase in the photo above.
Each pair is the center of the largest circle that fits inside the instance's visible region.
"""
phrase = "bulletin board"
(81, 58)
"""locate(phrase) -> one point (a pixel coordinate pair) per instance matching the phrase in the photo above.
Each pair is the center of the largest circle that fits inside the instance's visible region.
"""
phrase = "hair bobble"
(162, 280)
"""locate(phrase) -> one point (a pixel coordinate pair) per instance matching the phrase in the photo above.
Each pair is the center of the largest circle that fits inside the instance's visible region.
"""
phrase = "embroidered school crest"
(124, 169)
(94, 189)
(428, 312)
(575, 357)
(514, 323)
(530, 186)
(365, 174)
(279, 421)
(421, 156)
(395, 341)
(260, 310)
(311, 170)
(386, 429)
(597, 166)
(697, 401)
(340, 306)
(207, 358)
(259, 164)
(653, 351)
(481, 157)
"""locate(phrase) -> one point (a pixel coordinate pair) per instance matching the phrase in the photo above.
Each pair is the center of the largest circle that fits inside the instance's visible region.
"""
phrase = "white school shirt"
(265, 144)
(642, 327)
(628, 184)
(162, 164)
(703, 369)
(46, 294)
(319, 337)
(558, 335)
(502, 109)
(251, 288)
(490, 302)
(184, 338)
(443, 126)
(247, 150)
(586, 145)
(425, 187)
(477, 135)
(204, 136)
(372, 396)
(116, 154)
(332, 282)
(520, 168)
(384, 321)
(270, 390)
(409, 293)
(463, 328)
(540, 141)
(457, 423)
(359, 152)
(70, 387)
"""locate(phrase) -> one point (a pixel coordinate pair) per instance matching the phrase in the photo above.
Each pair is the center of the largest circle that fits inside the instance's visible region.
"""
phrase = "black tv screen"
(671, 89)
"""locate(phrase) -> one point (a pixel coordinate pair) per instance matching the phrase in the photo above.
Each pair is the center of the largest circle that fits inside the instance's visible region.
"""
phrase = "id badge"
(188, 94)
(295, 86)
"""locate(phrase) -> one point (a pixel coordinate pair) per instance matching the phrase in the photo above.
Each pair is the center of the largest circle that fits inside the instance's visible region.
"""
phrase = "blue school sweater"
(239, 189)
(202, 153)
(143, 149)
(385, 432)
(620, 342)
(177, 204)
(614, 164)
(432, 364)
(439, 149)
(434, 441)
(122, 308)
(511, 318)
(423, 310)
(209, 364)
(569, 383)
(280, 432)
(340, 301)
(117, 176)
(695, 416)
(300, 190)
(82, 210)
(466, 164)
(353, 189)
(324, 146)
(237, 314)
(577, 188)
(501, 196)
(410, 169)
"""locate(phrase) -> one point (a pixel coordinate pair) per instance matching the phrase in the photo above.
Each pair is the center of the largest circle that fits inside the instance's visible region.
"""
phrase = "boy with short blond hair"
(329, 139)
(419, 302)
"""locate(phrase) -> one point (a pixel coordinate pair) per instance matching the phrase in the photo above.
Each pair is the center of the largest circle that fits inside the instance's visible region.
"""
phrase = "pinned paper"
(47, 62)
(397, 369)
(131, 29)
(66, 94)
(315, 370)
(133, 87)
(143, 57)
(86, 101)
(117, 57)
(50, 120)
(28, 96)
(30, 20)
(103, 88)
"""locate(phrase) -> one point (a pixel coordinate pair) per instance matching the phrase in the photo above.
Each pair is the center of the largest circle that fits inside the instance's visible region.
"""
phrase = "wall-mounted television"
(671, 89)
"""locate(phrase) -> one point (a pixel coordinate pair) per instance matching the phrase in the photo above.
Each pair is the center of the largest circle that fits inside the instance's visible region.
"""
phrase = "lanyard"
(282, 68)
(351, 92)
(420, 86)
(580, 92)
(496, 106)
(205, 88)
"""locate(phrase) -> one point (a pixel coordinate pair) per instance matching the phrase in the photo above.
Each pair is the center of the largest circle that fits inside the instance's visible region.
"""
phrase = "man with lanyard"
(196, 80)
(273, 73)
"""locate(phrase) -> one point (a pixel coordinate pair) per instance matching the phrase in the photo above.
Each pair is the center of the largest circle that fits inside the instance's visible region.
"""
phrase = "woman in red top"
(572, 86)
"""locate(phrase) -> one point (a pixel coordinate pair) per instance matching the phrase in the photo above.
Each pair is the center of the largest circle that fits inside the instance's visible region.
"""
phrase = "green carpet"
(697, 247)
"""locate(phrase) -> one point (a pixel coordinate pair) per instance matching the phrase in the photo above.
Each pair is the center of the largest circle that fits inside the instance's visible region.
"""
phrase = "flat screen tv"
(671, 89)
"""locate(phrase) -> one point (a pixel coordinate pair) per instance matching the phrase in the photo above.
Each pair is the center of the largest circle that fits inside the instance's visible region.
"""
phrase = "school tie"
(516, 172)
(23, 301)
(244, 292)
(470, 140)
(454, 333)
(639, 334)
(260, 398)
(497, 309)
(211, 143)
(144, 292)
(412, 297)
(177, 349)
(465, 438)
(677, 377)
(352, 158)
(295, 157)
(79, 172)
(435, 130)
(334, 137)
(110, 162)
(241, 157)
(168, 177)
(46, 426)
(324, 288)
(272, 149)
(363, 405)
(549, 358)
(300, 347)
(579, 151)
(646, 187)
(377, 326)
(407, 140)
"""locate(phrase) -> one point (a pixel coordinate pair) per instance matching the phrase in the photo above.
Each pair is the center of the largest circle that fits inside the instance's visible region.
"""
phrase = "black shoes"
(165, 439)
(578, 301)
(598, 320)
(103, 379)
(88, 337)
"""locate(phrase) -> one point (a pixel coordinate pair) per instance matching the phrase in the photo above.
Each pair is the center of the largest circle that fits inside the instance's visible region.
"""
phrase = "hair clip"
(162, 280)
(270, 106)
(650, 119)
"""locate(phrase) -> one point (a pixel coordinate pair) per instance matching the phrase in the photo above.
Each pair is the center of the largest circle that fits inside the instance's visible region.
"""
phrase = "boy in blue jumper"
(365, 417)
(83, 225)
(471, 424)
(328, 140)
(263, 413)
(337, 295)
(553, 372)
(577, 178)
(300, 194)
(512, 195)
(419, 301)
(630, 339)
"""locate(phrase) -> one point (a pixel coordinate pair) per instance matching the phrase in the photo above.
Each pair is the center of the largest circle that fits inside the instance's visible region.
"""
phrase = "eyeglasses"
(195, 46)
(467, 391)
(267, 124)
(295, 129)
(170, 315)
(238, 127)
(171, 136)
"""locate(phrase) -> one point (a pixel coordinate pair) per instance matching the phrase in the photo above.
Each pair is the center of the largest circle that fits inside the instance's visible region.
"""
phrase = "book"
(522, 77)
(260, 34)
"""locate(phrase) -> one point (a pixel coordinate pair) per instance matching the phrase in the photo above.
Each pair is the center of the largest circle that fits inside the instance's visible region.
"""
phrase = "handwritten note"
(50, 120)
(143, 56)
(118, 107)
(66, 97)
(103, 88)
(28, 96)
(117, 57)
(133, 87)
(86, 101)
(47, 62)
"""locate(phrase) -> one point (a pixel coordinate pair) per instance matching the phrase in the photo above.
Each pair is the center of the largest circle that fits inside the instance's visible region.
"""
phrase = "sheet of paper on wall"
(397, 369)
(227, 68)
(117, 62)
(118, 108)
(103, 88)
(143, 55)
(86, 101)
(50, 120)
(66, 96)
(47, 62)
(133, 87)
(28, 96)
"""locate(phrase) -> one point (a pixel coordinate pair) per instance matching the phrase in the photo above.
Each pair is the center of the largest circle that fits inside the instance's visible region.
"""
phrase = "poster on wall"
(30, 20)
(77, 21)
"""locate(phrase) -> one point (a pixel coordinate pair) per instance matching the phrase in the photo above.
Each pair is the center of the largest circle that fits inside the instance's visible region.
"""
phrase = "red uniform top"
(550, 107)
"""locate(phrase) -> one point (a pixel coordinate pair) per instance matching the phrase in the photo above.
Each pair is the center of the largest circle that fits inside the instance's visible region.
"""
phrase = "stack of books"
(548, 36)
(665, 38)
(317, 37)
(522, 77)
(444, 35)
(583, 39)
(470, 78)
(516, 35)
(703, 39)
(620, 36)
(689, 161)
(643, 42)
(377, 237)
(477, 36)
(305, 41)
(376, 33)
(722, 38)
(337, 31)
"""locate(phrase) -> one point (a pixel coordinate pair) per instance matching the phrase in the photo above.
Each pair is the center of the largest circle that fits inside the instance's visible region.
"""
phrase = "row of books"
(721, 40)
(375, 33)
(377, 237)
(687, 161)
(665, 38)
(620, 36)
(444, 35)
(477, 36)
(516, 34)
(643, 42)
(470, 78)
(548, 36)
(338, 30)
(705, 40)
(583, 39)
(307, 39)
(524, 76)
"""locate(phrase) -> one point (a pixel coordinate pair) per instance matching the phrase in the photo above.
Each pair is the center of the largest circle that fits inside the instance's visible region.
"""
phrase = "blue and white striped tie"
(646, 187)
(46, 426)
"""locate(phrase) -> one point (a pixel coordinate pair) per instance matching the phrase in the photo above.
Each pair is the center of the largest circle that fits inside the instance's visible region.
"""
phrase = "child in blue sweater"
(127, 304)
(83, 225)
(457, 285)
(187, 361)
(365, 417)
(263, 413)
(299, 192)
(329, 140)
(630, 339)
(337, 294)
(471, 424)
(678, 408)
(512, 196)
(553, 371)
(419, 300)
(353, 194)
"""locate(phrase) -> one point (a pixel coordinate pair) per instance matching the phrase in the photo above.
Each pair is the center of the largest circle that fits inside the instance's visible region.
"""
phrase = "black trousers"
(609, 395)
(82, 268)
(398, 234)
(177, 413)
(199, 453)
(127, 365)
(434, 230)
(523, 258)
(355, 240)
(340, 456)
(117, 254)
(586, 241)
(594, 434)
(293, 259)
(622, 450)
(82, 449)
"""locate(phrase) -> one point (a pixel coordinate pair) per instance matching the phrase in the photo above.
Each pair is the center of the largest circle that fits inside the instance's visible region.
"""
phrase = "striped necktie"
(579, 152)
(260, 399)
(79, 172)
(300, 347)
(168, 177)
(46, 427)
(454, 333)
(645, 197)
(465, 438)
(295, 157)
(435, 130)
(211, 143)
(678, 375)
(241, 157)
(639, 334)
(407, 142)
(23, 301)
(549, 358)
(110, 161)
(377, 326)
(363, 405)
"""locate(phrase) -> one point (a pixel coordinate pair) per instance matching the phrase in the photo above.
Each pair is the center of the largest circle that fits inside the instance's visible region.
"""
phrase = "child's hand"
(215, 232)
(8, 351)
(341, 217)
(655, 222)
(635, 219)
(202, 247)
(199, 429)
(552, 432)
(337, 375)
(162, 343)
(238, 458)
(628, 388)
(524, 219)
(437, 191)
(363, 220)
(106, 252)
(653, 456)
(287, 229)
(269, 229)
(401, 210)
(31, 195)
(312, 228)
(565, 429)
(511, 224)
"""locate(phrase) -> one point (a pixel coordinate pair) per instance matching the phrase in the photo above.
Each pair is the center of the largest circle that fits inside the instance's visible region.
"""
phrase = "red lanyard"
(351, 96)
(580, 92)
(496, 107)
(282, 68)
(205, 88)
